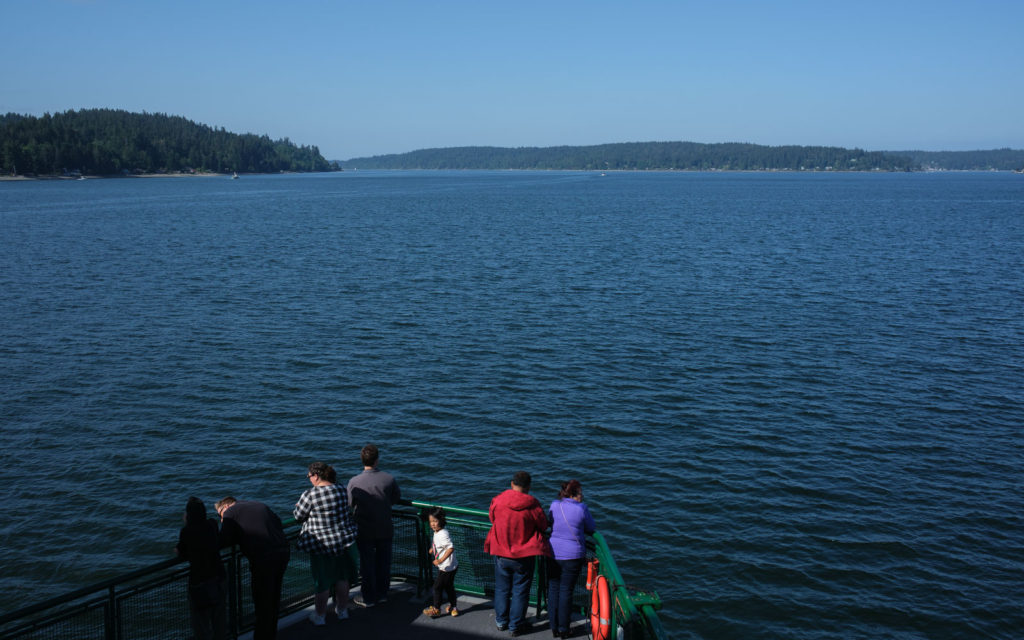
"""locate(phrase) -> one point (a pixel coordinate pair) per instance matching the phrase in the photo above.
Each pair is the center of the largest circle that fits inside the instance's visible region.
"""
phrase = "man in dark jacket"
(371, 494)
(515, 539)
(258, 532)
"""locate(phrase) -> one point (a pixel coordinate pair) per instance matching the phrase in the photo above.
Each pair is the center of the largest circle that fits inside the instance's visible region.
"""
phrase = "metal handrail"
(634, 613)
(92, 589)
(638, 619)
(626, 613)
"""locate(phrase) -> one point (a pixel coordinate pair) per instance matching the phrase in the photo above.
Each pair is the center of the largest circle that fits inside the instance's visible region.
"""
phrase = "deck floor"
(401, 618)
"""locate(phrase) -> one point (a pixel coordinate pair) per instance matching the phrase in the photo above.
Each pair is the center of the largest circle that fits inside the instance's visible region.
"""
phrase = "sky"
(389, 76)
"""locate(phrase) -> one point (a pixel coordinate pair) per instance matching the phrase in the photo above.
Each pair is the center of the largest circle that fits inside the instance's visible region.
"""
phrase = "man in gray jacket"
(371, 494)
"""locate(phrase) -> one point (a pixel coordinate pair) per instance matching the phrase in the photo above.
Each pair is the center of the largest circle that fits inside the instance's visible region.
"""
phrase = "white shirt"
(442, 543)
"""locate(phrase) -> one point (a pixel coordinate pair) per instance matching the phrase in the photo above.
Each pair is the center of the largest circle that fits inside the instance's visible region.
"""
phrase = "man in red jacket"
(516, 537)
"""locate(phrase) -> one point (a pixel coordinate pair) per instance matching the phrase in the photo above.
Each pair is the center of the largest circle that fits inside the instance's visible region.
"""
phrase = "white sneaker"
(361, 603)
(317, 620)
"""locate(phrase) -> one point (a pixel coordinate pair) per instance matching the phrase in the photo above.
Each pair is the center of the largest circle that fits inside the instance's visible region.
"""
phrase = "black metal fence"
(152, 603)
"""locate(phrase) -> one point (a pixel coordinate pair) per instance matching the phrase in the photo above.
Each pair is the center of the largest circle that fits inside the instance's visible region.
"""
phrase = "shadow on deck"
(401, 618)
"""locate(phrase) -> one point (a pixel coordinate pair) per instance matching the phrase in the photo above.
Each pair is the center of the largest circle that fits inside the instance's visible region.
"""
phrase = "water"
(795, 401)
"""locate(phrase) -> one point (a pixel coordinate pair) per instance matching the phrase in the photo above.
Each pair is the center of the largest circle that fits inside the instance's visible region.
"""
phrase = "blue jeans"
(375, 568)
(512, 579)
(562, 576)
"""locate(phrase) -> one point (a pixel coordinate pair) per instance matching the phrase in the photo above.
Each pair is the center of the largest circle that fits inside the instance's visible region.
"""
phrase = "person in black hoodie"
(199, 544)
(257, 531)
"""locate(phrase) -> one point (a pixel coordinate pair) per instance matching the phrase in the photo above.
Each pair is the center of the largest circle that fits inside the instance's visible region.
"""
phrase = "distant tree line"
(108, 141)
(644, 156)
(992, 160)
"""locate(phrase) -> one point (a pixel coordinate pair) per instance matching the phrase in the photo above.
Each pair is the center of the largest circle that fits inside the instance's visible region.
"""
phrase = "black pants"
(267, 578)
(208, 608)
(444, 583)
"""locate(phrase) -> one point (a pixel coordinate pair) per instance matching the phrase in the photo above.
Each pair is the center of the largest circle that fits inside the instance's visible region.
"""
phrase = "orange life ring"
(592, 571)
(601, 610)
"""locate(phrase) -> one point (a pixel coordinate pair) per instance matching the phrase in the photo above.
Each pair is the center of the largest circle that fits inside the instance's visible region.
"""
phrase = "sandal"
(433, 612)
(453, 611)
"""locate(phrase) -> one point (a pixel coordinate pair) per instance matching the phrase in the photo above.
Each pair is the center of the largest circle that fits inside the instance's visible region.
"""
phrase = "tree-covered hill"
(108, 141)
(641, 156)
(988, 160)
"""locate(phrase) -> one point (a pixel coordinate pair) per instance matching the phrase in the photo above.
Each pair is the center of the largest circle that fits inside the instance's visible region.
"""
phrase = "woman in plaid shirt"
(328, 535)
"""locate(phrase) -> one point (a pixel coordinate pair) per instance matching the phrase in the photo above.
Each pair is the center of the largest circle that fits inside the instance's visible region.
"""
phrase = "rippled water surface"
(795, 401)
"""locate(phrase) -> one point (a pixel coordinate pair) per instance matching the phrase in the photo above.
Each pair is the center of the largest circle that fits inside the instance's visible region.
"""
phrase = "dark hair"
(571, 489)
(323, 471)
(195, 511)
(369, 455)
(522, 479)
(438, 513)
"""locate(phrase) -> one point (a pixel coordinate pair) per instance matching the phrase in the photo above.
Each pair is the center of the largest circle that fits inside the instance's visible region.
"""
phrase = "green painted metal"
(634, 611)
(637, 617)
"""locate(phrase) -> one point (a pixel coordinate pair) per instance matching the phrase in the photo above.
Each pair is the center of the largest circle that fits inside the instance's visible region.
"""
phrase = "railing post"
(111, 620)
(424, 573)
(541, 571)
(233, 594)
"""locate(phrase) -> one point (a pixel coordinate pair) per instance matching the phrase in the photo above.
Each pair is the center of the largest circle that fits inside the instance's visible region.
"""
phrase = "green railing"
(634, 611)
(151, 603)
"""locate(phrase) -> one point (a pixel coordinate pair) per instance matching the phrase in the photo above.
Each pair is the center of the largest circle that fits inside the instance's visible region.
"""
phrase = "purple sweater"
(569, 521)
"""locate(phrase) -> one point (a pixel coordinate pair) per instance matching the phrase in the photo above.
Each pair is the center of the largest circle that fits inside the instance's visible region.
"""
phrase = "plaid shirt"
(327, 527)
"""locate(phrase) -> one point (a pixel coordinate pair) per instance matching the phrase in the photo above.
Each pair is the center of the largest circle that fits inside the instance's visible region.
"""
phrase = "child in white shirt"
(444, 560)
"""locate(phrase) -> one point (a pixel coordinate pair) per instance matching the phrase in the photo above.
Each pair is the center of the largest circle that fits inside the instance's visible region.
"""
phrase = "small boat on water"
(151, 602)
(234, 175)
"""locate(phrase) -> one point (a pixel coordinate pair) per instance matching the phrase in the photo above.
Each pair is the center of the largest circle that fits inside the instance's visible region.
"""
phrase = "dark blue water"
(795, 401)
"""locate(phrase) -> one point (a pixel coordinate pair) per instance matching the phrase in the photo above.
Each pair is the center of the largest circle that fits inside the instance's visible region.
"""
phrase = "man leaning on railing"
(258, 532)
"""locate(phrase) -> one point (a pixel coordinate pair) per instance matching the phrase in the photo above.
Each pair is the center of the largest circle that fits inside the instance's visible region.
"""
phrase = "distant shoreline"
(118, 176)
(22, 178)
(690, 156)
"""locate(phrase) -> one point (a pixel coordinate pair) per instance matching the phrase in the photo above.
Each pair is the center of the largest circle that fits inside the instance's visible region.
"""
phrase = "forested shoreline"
(115, 142)
(639, 156)
(986, 160)
(691, 156)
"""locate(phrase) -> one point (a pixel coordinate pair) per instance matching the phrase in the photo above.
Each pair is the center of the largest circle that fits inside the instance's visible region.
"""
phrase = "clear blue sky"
(378, 76)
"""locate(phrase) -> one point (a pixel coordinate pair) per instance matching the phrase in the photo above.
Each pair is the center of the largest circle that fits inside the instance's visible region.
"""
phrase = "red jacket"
(517, 526)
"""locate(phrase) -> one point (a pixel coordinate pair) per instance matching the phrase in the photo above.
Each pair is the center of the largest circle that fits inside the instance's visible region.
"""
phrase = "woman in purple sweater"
(570, 521)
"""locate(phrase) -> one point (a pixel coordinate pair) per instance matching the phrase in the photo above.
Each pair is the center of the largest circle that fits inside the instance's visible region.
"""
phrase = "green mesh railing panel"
(476, 568)
(297, 587)
(404, 556)
(79, 622)
(155, 609)
(468, 529)
(243, 608)
(153, 606)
